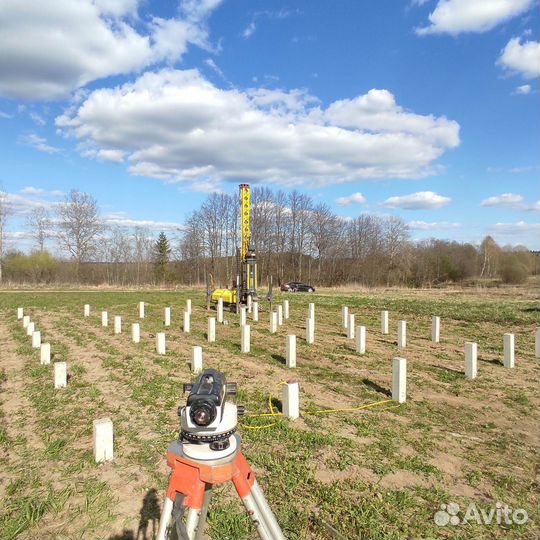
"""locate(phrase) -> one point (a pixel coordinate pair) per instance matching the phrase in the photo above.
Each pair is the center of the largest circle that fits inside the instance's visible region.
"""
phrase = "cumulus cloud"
(176, 126)
(523, 90)
(31, 190)
(457, 16)
(21, 205)
(511, 229)
(39, 143)
(521, 58)
(51, 51)
(422, 200)
(533, 207)
(121, 219)
(355, 198)
(432, 226)
(114, 156)
(508, 200)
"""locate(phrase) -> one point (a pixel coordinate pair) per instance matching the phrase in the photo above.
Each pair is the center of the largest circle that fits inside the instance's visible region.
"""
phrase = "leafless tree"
(323, 229)
(79, 226)
(142, 245)
(396, 236)
(489, 255)
(39, 225)
(192, 248)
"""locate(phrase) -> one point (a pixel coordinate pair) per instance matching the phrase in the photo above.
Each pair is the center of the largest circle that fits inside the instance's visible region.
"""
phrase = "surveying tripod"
(200, 459)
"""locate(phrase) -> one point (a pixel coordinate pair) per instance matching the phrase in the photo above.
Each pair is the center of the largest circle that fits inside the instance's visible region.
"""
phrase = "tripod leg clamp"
(189, 478)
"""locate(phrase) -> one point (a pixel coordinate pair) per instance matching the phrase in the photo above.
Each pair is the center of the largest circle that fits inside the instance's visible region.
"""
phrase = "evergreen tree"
(162, 251)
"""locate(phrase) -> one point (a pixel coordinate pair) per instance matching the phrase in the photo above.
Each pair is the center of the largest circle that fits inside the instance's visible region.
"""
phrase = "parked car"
(297, 286)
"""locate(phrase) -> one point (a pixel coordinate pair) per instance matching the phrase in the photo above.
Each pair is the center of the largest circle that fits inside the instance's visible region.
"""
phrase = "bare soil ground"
(381, 472)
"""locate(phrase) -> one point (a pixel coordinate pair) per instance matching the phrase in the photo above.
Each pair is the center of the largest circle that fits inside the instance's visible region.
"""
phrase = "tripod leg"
(165, 519)
(266, 512)
(255, 514)
(192, 521)
(204, 511)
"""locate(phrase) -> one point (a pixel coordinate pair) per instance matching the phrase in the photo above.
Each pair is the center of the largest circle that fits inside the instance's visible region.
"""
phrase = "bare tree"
(39, 225)
(322, 229)
(143, 244)
(80, 226)
(490, 255)
(396, 234)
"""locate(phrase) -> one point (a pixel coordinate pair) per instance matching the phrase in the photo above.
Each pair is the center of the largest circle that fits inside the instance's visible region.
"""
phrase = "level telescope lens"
(203, 413)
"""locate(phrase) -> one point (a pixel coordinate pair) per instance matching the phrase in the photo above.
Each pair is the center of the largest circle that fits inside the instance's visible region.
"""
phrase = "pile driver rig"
(244, 289)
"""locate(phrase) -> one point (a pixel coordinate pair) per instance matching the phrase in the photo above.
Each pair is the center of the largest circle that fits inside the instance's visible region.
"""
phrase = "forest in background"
(295, 239)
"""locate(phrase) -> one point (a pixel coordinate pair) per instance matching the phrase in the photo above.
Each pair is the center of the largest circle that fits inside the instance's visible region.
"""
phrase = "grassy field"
(375, 473)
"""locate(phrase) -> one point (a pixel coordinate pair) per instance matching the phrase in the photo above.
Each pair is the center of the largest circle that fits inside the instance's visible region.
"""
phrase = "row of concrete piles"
(103, 428)
(60, 368)
(399, 365)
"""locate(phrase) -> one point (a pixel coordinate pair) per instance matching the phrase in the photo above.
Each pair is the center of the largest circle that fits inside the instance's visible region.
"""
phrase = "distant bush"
(513, 270)
(38, 267)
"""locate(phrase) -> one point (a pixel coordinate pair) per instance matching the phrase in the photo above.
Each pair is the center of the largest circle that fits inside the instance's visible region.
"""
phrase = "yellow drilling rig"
(244, 289)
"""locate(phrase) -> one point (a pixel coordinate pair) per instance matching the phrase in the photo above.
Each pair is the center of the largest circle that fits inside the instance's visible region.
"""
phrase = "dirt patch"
(404, 479)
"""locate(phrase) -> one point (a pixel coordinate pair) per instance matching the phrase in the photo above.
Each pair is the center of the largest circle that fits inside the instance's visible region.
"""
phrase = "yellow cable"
(393, 407)
(320, 411)
(259, 427)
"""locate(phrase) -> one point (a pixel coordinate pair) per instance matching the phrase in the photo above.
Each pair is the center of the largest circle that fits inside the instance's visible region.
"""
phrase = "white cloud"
(206, 187)
(508, 200)
(31, 190)
(249, 30)
(356, 198)
(214, 67)
(457, 16)
(432, 226)
(513, 170)
(176, 126)
(39, 143)
(51, 51)
(115, 156)
(422, 200)
(523, 90)
(520, 170)
(37, 119)
(5, 115)
(20, 206)
(533, 207)
(121, 219)
(377, 111)
(511, 229)
(523, 59)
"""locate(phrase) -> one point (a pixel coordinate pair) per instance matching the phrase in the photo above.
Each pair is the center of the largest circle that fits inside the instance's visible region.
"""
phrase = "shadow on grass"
(494, 361)
(377, 387)
(148, 521)
(279, 358)
(449, 370)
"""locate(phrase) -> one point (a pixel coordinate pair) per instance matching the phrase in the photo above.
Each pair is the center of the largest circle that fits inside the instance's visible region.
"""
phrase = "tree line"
(296, 239)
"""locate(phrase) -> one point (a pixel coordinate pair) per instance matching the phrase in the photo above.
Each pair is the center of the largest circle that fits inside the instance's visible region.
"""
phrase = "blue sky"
(424, 109)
